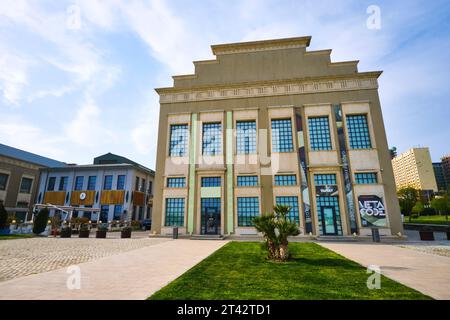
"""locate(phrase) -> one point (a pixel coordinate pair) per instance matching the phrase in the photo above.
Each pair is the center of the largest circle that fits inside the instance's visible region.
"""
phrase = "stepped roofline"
(263, 45)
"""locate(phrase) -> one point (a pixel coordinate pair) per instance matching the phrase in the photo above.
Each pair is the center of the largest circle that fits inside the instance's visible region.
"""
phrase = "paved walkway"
(23, 257)
(134, 274)
(425, 272)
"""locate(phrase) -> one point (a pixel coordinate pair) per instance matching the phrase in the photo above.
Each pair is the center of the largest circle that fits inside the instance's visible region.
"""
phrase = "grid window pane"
(121, 182)
(319, 133)
(51, 184)
(247, 209)
(176, 182)
(174, 212)
(3, 181)
(247, 181)
(291, 202)
(25, 185)
(325, 179)
(212, 139)
(358, 132)
(282, 136)
(366, 178)
(78, 183)
(117, 212)
(104, 212)
(92, 182)
(179, 135)
(286, 180)
(246, 137)
(211, 182)
(63, 183)
(107, 184)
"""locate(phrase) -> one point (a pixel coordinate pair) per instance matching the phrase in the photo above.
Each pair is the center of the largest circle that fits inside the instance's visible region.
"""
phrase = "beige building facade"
(269, 122)
(414, 168)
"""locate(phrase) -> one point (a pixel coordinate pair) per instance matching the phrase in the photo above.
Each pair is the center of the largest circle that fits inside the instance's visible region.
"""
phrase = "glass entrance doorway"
(210, 215)
(329, 223)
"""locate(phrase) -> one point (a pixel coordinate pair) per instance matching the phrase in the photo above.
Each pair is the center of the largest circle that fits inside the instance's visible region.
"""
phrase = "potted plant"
(125, 232)
(4, 225)
(426, 234)
(66, 231)
(102, 229)
(84, 231)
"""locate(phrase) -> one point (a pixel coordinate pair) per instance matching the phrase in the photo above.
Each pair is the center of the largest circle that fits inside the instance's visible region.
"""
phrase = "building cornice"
(358, 81)
(265, 45)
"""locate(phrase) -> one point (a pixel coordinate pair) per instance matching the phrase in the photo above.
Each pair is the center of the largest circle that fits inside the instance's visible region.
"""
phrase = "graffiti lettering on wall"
(372, 211)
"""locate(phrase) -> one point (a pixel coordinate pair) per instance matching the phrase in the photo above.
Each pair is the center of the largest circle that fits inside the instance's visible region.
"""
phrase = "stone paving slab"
(425, 272)
(134, 274)
(22, 257)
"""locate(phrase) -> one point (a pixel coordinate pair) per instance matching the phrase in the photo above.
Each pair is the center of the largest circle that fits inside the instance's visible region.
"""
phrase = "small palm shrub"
(276, 228)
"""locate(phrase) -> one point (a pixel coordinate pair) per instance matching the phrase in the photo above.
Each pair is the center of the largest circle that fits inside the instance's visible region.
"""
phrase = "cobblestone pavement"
(135, 274)
(24, 257)
(440, 247)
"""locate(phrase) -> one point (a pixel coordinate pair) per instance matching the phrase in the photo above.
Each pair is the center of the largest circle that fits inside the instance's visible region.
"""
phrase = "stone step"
(207, 237)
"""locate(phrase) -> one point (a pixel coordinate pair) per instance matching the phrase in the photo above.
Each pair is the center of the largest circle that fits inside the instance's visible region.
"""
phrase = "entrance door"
(210, 208)
(329, 225)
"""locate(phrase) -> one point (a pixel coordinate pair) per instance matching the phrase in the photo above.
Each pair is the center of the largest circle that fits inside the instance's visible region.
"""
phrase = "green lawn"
(239, 270)
(428, 220)
(16, 236)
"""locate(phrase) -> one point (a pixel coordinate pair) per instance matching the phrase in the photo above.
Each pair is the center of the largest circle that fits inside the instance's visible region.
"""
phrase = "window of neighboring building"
(246, 137)
(25, 185)
(282, 136)
(136, 184)
(79, 183)
(143, 185)
(121, 182)
(3, 181)
(104, 212)
(107, 183)
(179, 182)
(22, 204)
(150, 187)
(358, 132)
(366, 178)
(319, 133)
(286, 180)
(63, 183)
(292, 203)
(117, 212)
(212, 139)
(92, 181)
(141, 213)
(179, 135)
(174, 212)
(51, 184)
(247, 209)
(247, 181)
(211, 182)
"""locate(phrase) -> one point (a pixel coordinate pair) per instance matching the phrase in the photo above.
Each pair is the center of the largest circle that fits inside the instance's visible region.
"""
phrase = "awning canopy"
(65, 208)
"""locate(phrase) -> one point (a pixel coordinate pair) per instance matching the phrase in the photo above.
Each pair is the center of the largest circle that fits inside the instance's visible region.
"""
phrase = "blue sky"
(72, 89)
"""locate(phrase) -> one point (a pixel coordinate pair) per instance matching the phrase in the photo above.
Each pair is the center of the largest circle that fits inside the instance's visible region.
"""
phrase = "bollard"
(375, 235)
(175, 233)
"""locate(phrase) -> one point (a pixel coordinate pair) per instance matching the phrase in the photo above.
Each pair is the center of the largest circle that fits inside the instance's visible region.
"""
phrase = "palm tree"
(276, 227)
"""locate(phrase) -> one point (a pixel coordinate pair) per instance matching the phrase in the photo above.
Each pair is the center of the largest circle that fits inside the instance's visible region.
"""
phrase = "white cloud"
(86, 128)
(13, 76)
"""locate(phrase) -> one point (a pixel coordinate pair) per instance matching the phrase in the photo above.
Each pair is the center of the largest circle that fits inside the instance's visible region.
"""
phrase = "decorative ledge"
(356, 82)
